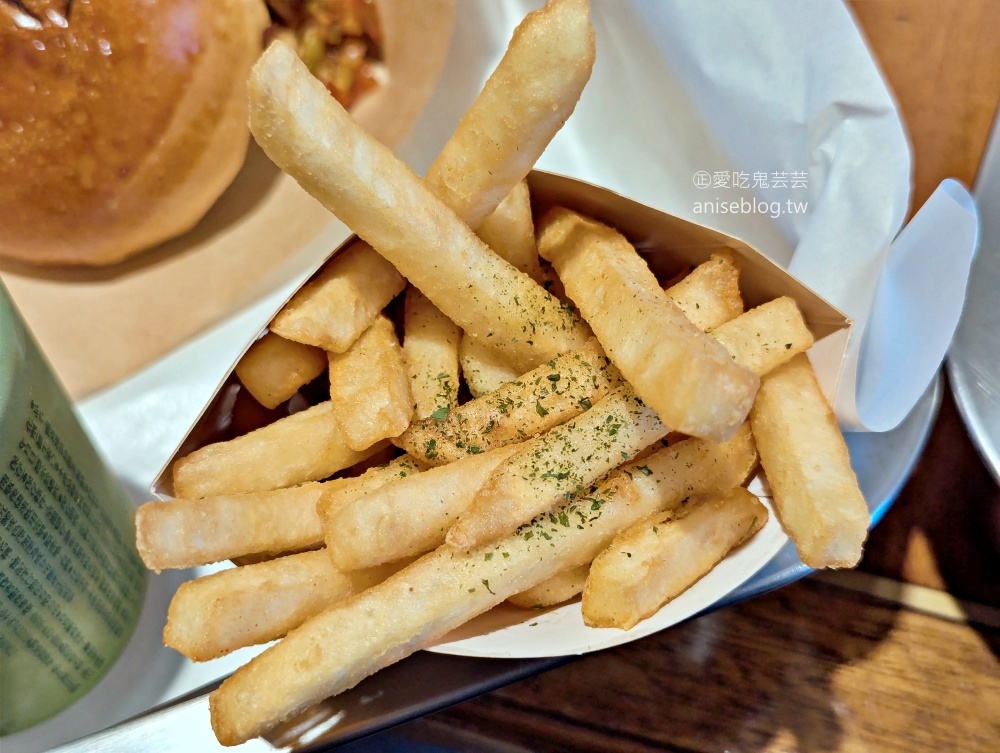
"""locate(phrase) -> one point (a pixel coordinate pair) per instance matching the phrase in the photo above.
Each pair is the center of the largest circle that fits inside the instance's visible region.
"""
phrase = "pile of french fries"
(612, 425)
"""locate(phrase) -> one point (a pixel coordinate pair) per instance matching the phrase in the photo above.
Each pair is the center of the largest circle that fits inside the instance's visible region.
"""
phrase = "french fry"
(305, 446)
(509, 229)
(707, 294)
(408, 516)
(370, 387)
(679, 371)
(443, 589)
(566, 459)
(336, 496)
(767, 336)
(492, 150)
(657, 559)
(251, 527)
(711, 292)
(430, 344)
(341, 301)
(526, 100)
(180, 533)
(530, 405)
(274, 368)
(312, 138)
(710, 295)
(245, 606)
(816, 493)
(560, 588)
(510, 232)
(484, 369)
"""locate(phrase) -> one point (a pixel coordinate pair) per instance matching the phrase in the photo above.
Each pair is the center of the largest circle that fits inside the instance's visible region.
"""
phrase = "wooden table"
(942, 60)
(841, 662)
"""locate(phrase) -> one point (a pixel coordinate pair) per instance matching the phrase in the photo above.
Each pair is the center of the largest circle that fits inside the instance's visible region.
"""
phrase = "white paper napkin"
(770, 122)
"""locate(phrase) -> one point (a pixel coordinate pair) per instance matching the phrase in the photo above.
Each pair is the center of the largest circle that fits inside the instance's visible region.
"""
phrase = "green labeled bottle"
(71, 581)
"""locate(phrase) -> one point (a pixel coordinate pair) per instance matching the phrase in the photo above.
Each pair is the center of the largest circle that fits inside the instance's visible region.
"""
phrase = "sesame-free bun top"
(121, 121)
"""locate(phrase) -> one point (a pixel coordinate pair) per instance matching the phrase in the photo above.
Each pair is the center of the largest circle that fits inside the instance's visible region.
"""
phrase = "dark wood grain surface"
(810, 668)
(944, 530)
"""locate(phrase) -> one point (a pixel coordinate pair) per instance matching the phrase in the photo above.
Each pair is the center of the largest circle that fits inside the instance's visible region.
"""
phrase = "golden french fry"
(341, 301)
(566, 459)
(338, 495)
(560, 588)
(443, 589)
(678, 370)
(188, 532)
(657, 559)
(430, 344)
(526, 100)
(216, 614)
(305, 446)
(312, 138)
(510, 232)
(370, 387)
(511, 326)
(407, 516)
(816, 493)
(250, 527)
(274, 368)
(710, 294)
(483, 368)
(767, 336)
(530, 405)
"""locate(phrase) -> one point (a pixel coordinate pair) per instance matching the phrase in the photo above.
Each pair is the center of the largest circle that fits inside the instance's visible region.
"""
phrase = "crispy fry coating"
(534, 403)
(679, 371)
(370, 387)
(342, 301)
(430, 344)
(274, 368)
(659, 558)
(816, 493)
(305, 446)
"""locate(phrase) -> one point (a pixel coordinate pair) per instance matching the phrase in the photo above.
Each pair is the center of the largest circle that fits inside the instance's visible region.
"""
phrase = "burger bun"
(121, 121)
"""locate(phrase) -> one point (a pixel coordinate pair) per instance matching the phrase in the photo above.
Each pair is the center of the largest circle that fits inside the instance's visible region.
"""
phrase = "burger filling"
(339, 40)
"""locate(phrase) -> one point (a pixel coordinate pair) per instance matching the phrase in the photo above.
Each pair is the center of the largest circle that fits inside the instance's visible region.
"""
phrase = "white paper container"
(670, 244)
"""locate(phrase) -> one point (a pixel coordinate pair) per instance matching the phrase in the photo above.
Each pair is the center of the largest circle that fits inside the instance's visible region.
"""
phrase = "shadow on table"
(814, 668)
(944, 529)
